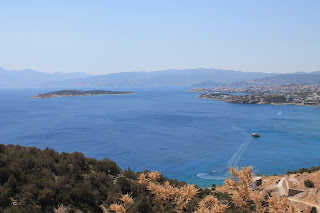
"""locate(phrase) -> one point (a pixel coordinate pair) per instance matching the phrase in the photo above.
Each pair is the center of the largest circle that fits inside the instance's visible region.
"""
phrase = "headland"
(288, 94)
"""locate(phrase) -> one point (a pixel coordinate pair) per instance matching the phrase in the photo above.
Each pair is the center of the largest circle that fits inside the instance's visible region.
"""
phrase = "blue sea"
(165, 129)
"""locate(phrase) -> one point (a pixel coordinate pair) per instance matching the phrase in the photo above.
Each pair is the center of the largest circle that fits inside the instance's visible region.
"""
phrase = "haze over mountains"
(32, 78)
(282, 79)
(172, 77)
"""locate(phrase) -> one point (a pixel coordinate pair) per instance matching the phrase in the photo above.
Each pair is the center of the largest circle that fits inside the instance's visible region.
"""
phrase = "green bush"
(41, 179)
(313, 210)
(313, 169)
(309, 184)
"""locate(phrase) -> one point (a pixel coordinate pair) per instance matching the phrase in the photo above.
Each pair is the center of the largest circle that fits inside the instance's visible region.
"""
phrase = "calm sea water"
(165, 129)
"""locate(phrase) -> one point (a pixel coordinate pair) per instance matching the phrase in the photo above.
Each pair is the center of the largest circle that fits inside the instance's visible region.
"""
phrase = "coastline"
(258, 103)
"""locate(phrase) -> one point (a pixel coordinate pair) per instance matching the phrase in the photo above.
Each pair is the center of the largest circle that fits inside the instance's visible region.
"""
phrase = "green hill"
(34, 180)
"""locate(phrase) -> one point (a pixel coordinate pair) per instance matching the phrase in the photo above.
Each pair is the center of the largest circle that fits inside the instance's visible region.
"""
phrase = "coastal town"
(287, 94)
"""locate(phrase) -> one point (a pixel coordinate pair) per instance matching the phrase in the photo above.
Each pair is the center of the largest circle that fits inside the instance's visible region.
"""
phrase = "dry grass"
(179, 197)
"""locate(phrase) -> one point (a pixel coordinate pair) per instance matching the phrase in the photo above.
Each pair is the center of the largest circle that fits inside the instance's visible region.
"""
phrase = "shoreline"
(279, 104)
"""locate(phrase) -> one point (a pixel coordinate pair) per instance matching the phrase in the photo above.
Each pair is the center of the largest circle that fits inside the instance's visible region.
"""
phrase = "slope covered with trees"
(34, 180)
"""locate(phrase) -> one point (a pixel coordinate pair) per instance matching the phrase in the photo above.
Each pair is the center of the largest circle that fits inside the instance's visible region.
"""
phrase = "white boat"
(213, 172)
(255, 134)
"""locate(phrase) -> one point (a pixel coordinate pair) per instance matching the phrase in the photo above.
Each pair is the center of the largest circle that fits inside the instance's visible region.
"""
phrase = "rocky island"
(287, 94)
(68, 93)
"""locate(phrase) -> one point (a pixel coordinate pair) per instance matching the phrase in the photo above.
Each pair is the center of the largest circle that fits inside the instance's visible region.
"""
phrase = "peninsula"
(287, 94)
(68, 93)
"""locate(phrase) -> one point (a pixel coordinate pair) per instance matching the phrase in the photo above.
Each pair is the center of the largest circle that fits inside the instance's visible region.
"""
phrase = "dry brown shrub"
(159, 193)
(169, 191)
(154, 176)
(165, 193)
(210, 204)
(179, 197)
(143, 179)
(126, 200)
(118, 208)
(278, 204)
(242, 194)
(240, 182)
(258, 199)
(184, 195)
(122, 207)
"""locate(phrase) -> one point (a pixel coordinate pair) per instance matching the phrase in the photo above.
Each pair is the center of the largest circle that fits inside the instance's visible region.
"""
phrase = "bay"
(165, 129)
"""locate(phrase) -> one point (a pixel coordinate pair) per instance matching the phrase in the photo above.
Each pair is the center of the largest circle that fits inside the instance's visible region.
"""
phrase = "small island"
(68, 93)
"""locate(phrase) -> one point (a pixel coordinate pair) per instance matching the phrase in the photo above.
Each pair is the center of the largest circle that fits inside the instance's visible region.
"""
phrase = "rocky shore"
(68, 93)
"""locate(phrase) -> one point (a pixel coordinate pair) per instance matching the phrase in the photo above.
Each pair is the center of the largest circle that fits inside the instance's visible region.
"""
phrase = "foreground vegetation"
(34, 180)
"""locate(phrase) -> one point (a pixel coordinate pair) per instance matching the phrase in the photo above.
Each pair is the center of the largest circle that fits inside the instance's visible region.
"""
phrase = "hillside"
(172, 77)
(34, 180)
(282, 79)
(306, 198)
(186, 77)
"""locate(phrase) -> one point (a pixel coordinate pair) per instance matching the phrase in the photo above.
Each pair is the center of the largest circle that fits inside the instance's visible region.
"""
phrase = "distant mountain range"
(282, 79)
(172, 77)
(186, 77)
(31, 78)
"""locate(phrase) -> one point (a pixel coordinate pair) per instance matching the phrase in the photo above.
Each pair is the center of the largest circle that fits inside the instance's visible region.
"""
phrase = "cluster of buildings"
(295, 94)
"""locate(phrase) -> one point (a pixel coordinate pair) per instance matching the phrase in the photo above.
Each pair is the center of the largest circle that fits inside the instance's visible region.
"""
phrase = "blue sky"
(101, 37)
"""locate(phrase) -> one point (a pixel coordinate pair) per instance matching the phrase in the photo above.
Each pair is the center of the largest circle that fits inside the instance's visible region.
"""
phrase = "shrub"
(313, 210)
(309, 184)
(214, 186)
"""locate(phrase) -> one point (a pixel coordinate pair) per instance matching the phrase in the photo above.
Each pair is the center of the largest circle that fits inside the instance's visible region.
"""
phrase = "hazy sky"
(114, 36)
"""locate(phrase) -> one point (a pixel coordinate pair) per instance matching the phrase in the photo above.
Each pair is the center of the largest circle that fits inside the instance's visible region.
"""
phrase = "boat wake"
(233, 161)
(242, 131)
(209, 176)
(235, 158)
